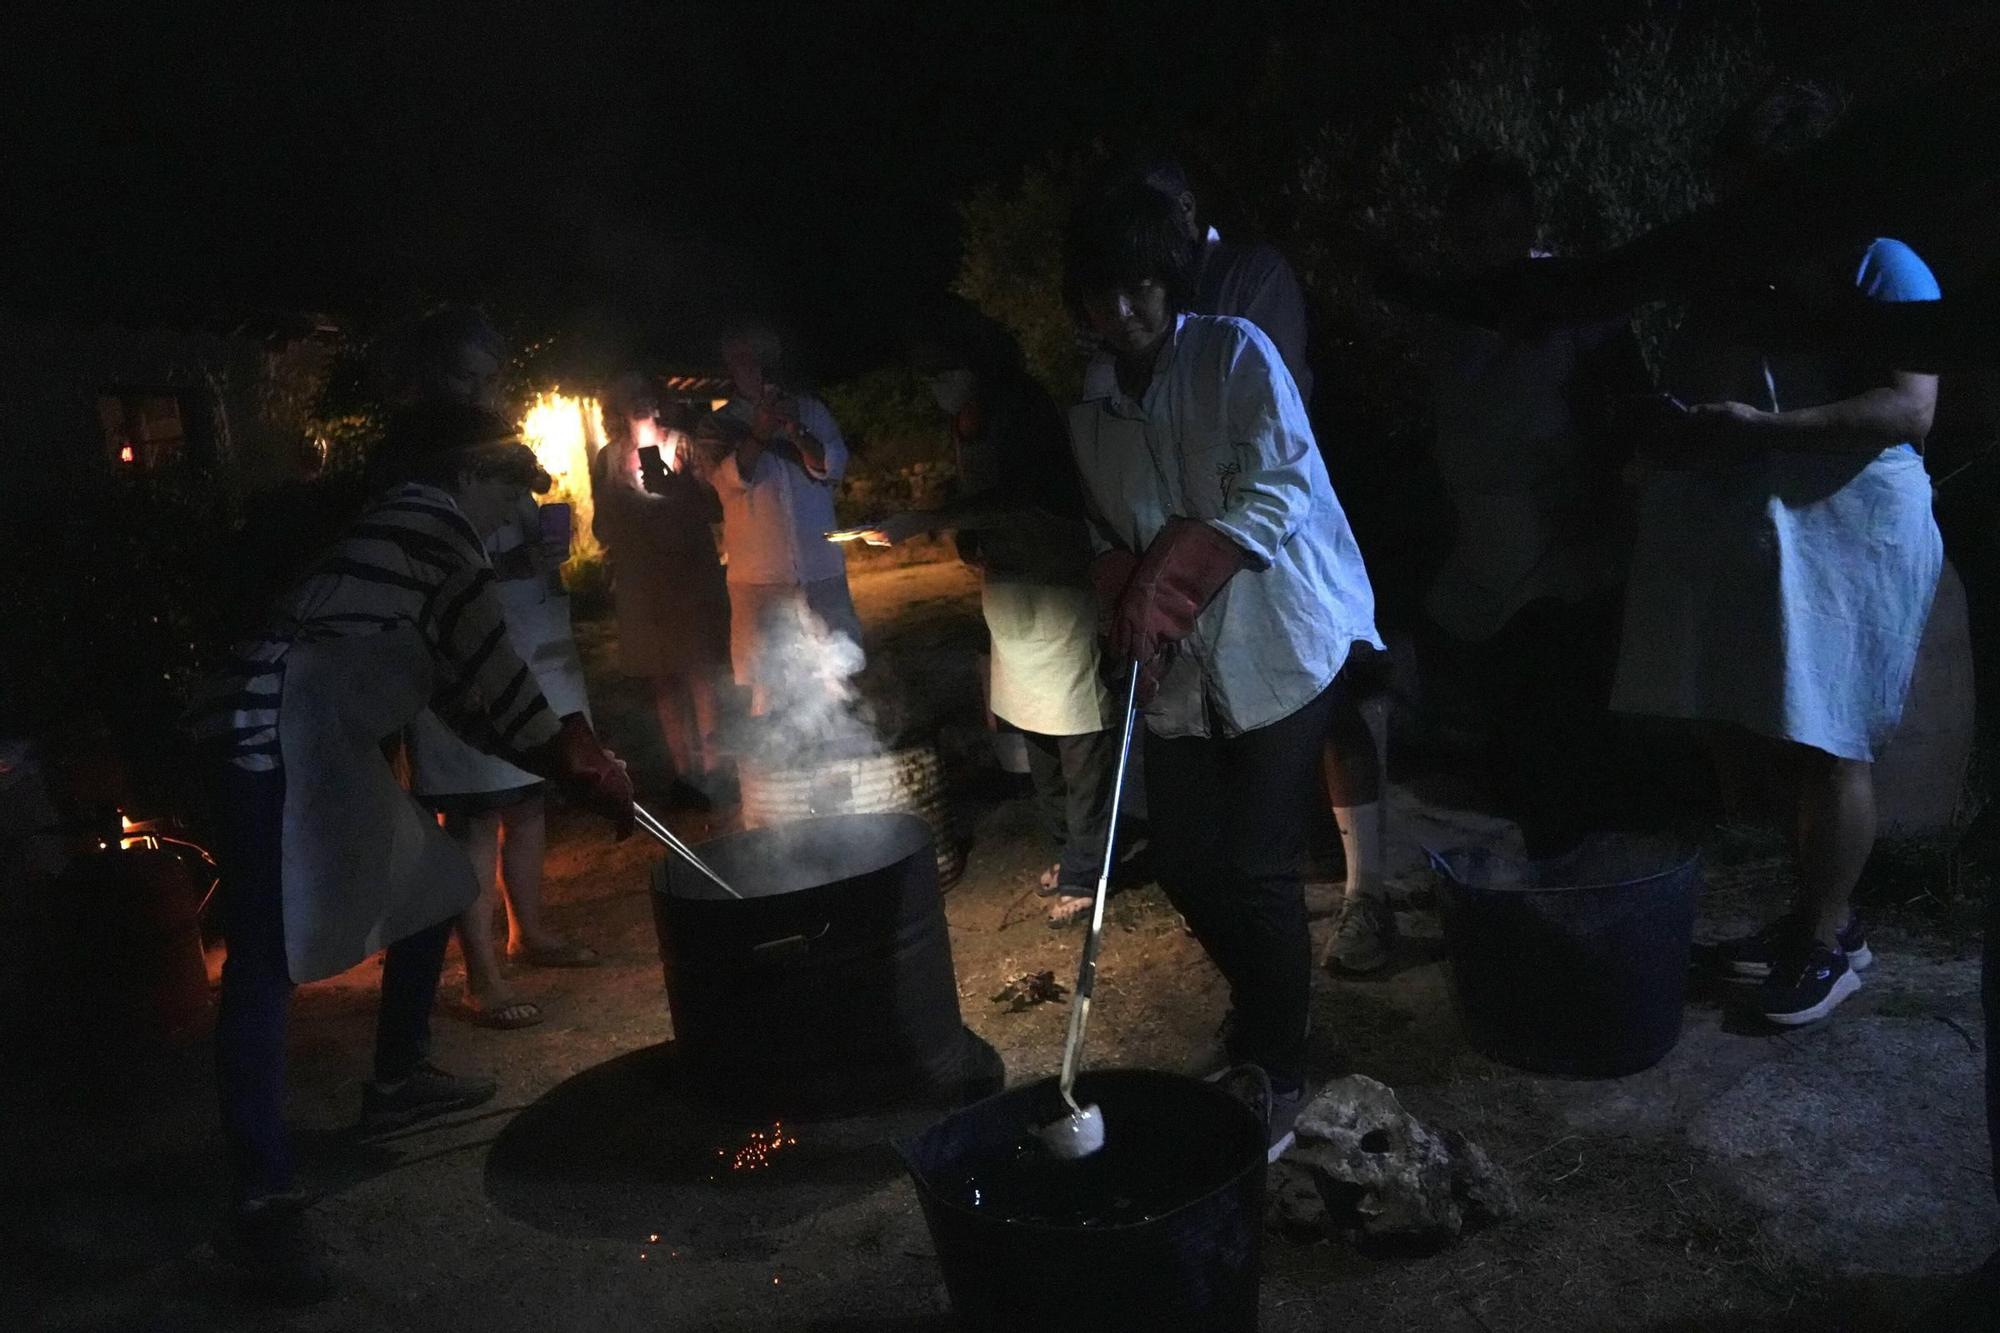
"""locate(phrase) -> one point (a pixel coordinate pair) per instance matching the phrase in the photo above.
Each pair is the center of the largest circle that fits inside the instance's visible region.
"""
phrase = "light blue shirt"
(775, 521)
(1221, 436)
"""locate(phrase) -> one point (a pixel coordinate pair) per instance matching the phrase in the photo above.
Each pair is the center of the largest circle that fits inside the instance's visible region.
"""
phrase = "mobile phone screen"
(557, 524)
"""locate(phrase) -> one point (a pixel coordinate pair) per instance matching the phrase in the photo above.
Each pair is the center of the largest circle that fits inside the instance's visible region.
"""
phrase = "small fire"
(128, 455)
(763, 1144)
(566, 431)
(132, 834)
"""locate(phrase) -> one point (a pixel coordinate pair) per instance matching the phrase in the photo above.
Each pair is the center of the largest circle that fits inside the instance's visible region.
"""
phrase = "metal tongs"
(1081, 1132)
(672, 843)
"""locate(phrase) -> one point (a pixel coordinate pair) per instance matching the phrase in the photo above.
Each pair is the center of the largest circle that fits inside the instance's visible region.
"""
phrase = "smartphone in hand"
(652, 468)
(558, 526)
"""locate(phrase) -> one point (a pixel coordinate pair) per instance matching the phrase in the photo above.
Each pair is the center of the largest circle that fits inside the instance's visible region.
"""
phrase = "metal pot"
(828, 986)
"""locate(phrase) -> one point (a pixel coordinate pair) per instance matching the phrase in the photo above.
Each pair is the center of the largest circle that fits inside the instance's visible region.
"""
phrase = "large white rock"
(1363, 1165)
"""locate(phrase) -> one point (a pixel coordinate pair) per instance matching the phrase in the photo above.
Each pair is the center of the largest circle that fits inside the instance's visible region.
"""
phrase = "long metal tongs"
(1086, 973)
(672, 843)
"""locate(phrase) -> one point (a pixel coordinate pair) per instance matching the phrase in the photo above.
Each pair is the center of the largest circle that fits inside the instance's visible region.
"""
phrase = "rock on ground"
(1362, 1164)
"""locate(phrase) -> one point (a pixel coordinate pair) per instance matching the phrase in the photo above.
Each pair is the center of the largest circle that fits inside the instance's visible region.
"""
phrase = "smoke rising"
(809, 680)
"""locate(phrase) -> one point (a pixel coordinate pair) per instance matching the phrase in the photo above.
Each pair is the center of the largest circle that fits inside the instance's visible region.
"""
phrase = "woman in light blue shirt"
(1227, 570)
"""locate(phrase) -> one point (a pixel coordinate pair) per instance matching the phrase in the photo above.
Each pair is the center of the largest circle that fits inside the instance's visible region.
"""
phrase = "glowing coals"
(762, 1146)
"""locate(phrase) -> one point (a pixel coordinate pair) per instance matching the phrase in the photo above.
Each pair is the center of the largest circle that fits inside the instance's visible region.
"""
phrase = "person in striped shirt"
(325, 858)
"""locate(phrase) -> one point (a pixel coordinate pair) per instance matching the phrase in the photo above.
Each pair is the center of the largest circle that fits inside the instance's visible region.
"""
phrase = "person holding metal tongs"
(1227, 572)
(325, 858)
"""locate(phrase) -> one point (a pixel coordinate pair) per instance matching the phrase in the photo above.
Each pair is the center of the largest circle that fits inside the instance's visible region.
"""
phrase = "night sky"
(655, 165)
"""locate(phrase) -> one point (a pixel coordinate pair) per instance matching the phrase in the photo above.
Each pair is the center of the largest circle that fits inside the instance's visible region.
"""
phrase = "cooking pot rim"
(1255, 1160)
(896, 837)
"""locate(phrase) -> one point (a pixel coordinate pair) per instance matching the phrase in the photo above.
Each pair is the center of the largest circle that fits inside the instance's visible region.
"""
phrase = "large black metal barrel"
(1158, 1230)
(829, 987)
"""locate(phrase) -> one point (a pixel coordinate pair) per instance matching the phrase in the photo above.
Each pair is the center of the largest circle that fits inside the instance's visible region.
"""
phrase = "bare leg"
(670, 705)
(523, 840)
(480, 836)
(1836, 832)
(704, 687)
(1351, 763)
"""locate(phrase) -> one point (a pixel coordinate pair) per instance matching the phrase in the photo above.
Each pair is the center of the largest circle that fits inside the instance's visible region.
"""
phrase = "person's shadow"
(626, 1151)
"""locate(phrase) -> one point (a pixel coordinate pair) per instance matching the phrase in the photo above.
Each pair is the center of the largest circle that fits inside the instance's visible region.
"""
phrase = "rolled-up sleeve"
(1270, 492)
(814, 416)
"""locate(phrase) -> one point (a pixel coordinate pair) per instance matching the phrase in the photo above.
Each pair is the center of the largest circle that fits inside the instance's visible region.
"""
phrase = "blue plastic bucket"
(1576, 965)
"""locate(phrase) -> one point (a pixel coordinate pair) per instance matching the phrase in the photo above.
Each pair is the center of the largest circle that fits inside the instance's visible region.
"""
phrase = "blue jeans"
(257, 987)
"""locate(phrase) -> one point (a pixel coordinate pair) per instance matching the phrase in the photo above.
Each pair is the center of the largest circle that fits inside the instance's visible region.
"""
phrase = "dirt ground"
(1831, 1178)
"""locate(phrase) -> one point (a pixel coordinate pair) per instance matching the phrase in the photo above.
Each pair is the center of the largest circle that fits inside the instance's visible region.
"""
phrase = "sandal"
(1046, 882)
(567, 954)
(506, 1017)
(1071, 906)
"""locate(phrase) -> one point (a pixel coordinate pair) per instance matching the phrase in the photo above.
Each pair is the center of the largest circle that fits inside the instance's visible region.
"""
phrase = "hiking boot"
(1749, 957)
(427, 1092)
(1364, 936)
(277, 1254)
(1806, 986)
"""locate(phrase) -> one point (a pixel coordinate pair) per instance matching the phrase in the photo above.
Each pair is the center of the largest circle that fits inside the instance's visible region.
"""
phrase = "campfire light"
(566, 431)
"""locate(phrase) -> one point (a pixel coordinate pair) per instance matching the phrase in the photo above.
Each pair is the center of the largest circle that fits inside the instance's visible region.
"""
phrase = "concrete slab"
(1867, 1146)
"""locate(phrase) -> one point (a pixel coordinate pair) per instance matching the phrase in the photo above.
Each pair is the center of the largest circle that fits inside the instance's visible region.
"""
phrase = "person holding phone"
(1783, 572)
(774, 457)
(657, 519)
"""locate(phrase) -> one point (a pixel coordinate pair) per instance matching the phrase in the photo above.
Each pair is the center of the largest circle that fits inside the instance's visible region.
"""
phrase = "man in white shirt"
(774, 459)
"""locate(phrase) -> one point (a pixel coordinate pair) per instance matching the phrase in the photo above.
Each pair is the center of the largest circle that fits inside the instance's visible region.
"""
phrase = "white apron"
(364, 864)
(1044, 657)
(1786, 594)
(538, 627)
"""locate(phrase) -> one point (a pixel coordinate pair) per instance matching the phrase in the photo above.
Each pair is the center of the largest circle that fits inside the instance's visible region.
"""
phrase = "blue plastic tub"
(1576, 965)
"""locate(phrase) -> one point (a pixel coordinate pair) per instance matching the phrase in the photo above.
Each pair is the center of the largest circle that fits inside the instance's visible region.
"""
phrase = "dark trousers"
(1073, 777)
(1543, 688)
(257, 986)
(1228, 822)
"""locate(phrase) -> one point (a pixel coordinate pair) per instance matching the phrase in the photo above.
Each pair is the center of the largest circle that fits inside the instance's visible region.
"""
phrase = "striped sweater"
(411, 559)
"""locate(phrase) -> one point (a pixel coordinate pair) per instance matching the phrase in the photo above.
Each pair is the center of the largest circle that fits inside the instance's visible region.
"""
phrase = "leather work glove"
(1184, 569)
(1110, 573)
(589, 774)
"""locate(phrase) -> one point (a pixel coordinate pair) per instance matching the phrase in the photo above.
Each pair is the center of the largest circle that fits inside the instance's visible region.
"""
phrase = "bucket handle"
(787, 948)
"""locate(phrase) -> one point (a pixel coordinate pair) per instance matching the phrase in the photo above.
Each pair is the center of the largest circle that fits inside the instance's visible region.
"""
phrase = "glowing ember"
(566, 431)
(757, 1153)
